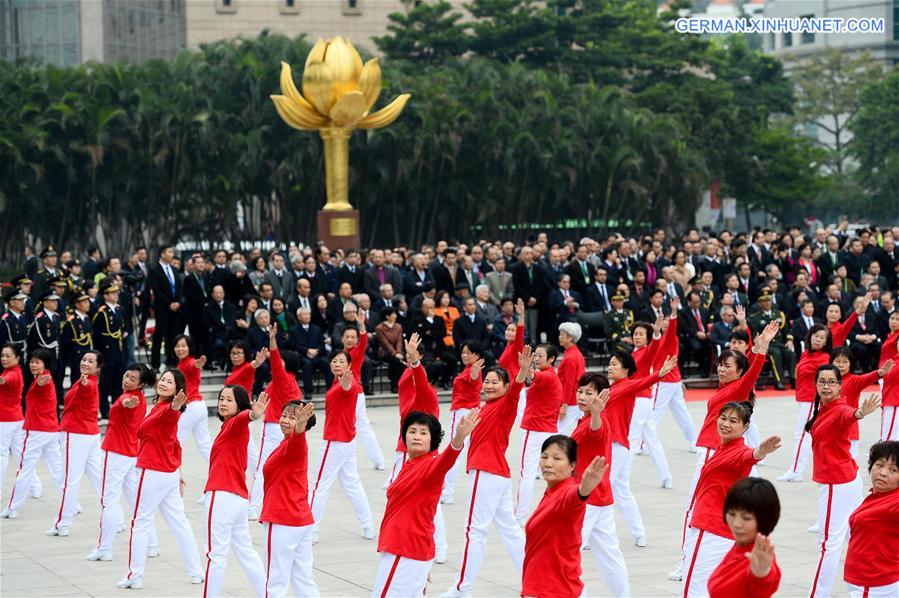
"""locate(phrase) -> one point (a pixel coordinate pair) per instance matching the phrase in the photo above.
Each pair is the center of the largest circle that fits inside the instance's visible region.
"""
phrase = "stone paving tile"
(32, 564)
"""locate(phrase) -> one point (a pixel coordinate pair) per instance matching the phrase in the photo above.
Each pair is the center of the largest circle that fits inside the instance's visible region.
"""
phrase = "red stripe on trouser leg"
(524, 451)
(140, 486)
(474, 491)
(208, 541)
(65, 484)
(801, 438)
(826, 533)
(102, 493)
(396, 562)
(865, 592)
(889, 433)
(692, 563)
(268, 553)
(12, 494)
(321, 469)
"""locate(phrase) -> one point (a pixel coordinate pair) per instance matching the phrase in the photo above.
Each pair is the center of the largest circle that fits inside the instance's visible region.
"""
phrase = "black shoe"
(779, 386)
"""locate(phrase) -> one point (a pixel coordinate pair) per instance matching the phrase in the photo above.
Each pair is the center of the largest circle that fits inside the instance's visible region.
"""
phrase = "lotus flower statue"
(338, 95)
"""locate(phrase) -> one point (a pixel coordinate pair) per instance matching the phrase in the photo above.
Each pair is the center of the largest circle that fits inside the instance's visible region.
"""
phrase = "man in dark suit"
(656, 307)
(732, 288)
(882, 310)
(219, 317)
(438, 360)
(379, 274)
(564, 302)
(856, 261)
(308, 341)
(723, 329)
(351, 271)
(470, 326)
(599, 294)
(196, 293)
(167, 291)
(281, 279)
(864, 340)
(692, 329)
(802, 324)
(831, 258)
(337, 304)
(581, 271)
(325, 269)
(418, 277)
(318, 282)
(448, 273)
(528, 281)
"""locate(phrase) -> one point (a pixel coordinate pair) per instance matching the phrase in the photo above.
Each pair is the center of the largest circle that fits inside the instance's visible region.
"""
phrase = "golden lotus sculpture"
(338, 95)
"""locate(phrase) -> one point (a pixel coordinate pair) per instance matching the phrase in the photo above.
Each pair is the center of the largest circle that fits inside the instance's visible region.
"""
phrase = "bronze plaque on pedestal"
(339, 228)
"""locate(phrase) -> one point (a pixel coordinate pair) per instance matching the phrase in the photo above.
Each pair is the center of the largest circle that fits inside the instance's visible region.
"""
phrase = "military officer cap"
(764, 297)
(48, 251)
(75, 262)
(108, 285)
(13, 294)
(80, 296)
(49, 295)
(57, 281)
(696, 280)
(20, 279)
(617, 297)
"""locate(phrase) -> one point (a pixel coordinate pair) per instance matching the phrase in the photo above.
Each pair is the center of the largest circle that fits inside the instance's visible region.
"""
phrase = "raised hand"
(658, 325)
(130, 402)
(257, 409)
(519, 310)
(768, 446)
(740, 312)
(670, 364)
(476, 368)
(870, 405)
(346, 380)
(761, 557)
(885, 368)
(412, 354)
(592, 476)
(2, 380)
(525, 360)
(200, 362)
(83, 380)
(43, 379)
(597, 403)
(674, 304)
(179, 400)
(465, 427)
(865, 302)
(260, 358)
(304, 414)
(764, 339)
(272, 337)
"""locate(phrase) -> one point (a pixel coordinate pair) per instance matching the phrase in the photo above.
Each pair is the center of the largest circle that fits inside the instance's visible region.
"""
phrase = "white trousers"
(670, 396)
(271, 438)
(705, 551)
(227, 527)
(159, 491)
(399, 459)
(889, 427)
(80, 453)
(399, 577)
(440, 545)
(702, 457)
(836, 502)
(643, 427)
(449, 482)
(11, 437)
(889, 591)
(288, 558)
(366, 434)
(195, 421)
(34, 446)
(600, 535)
(621, 490)
(338, 462)
(528, 471)
(490, 501)
(802, 441)
(119, 475)
(572, 415)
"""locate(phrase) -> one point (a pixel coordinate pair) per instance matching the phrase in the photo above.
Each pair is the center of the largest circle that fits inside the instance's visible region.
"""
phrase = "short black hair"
(291, 361)
(627, 361)
(885, 449)
(241, 397)
(296, 405)
(181, 337)
(846, 352)
(474, 347)
(424, 419)
(756, 496)
(97, 355)
(146, 375)
(742, 408)
(346, 354)
(597, 381)
(43, 355)
(566, 443)
(16, 349)
(551, 352)
(499, 371)
(741, 360)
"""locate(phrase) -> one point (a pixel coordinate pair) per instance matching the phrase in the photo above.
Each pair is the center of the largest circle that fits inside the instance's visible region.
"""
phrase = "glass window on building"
(352, 7)
(47, 30)
(807, 37)
(788, 39)
(896, 20)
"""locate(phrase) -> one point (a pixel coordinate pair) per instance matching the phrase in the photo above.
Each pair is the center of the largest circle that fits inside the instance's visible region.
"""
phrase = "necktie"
(389, 303)
(698, 319)
(861, 321)
(602, 292)
(876, 307)
(530, 275)
(168, 274)
(471, 317)
(809, 323)
(736, 299)
(381, 275)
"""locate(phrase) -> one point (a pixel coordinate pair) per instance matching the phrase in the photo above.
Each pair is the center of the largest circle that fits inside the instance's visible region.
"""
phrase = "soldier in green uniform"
(48, 270)
(780, 350)
(109, 339)
(617, 325)
(75, 339)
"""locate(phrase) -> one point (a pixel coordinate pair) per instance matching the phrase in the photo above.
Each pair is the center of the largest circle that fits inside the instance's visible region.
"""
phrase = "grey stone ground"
(32, 564)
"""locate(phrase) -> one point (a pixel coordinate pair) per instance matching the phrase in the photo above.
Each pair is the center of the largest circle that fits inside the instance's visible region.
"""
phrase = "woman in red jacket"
(490, 499)
(834, 469)
(819, 342)
(872, 569)
(11, 417)
(749, 570)
(79, 441)
(889, 425)
(552, 553)
(41, 432)
(119, 450)
(708, 538)
(160, 486)
(853, 385)
(285, 509)
(227, 498)
(195, 419)
(406, 540)
(242, 371)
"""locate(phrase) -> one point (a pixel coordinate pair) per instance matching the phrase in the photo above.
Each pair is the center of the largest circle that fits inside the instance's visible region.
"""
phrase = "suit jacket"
(827, 266)
(742, 299)
(335, 308)
(477, 278)
(647, 314)
(800, 331)
(283, 286)
(577, 275)
(500, 285)
(301, 340)
(557, 304)
(871, 326)
(220, 275)
(431, 333)
(415, 281)
(219, 321)
(595, 301)
(318, 284)
(528, 285)
(488, 311)
(195, 293)
(353, 278)
(444, 280)
(371, 283)
(720, 334)
(159, 285)
(464, 330)
(687, 325)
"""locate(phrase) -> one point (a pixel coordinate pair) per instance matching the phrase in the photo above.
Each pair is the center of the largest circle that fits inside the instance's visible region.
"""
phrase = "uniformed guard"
(13, 325)
(59, 286)
(48, 270)
(780, 350)
(76, 338)
(109, 339)
(618, 324)
(24, 284)
(44, 334)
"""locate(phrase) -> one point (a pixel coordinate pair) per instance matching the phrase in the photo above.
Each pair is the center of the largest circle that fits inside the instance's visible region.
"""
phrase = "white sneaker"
(368, 533)
(120, 529)
(667, 483)
(62, 532)
(78, 509)
(693, 449)
(641, 542)
(196, 579)
(35, 494)
(677, 574)
(379, 467)
(152, 552)
(135, 584)
(814, 529)
(253, 514)
(202, 499)
(440, 558)
(447, 500)
(790, 476)
(9, 514)
(100, 555)
(315, 539)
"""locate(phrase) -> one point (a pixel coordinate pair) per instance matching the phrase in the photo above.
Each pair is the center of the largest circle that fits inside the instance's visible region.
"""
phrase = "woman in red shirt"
(490, 498)
(119, 450)
(227, 498)
(160, 486)
(819, 342)
(242, 371)
(466, 396)
(406, 541)
(80, 441)
(571, 368)
(749, 569)
(41, 432)
(339, 449)
(11, 417)
(195, 419)
(889, 426)
(853, 385)
(285, 509)
(872, 569)
(708, 538)
(834, 469)
(552, 553)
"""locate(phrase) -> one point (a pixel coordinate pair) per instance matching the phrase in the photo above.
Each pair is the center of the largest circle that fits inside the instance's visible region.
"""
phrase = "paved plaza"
(32, 564)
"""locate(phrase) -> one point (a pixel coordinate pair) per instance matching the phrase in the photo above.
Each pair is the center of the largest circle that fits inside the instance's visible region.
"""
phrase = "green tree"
(430, 34)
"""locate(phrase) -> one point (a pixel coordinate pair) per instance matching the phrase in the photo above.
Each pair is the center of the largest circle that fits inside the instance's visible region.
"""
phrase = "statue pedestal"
(338, 229)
